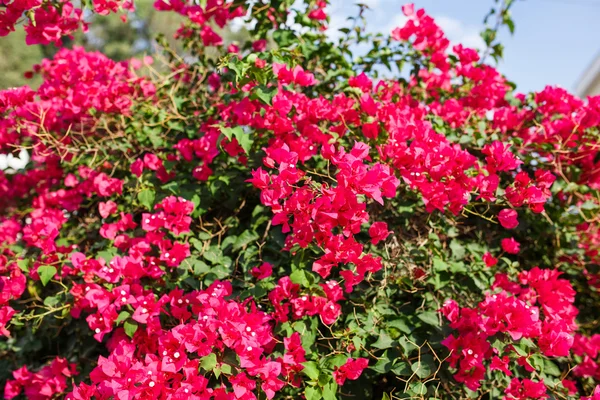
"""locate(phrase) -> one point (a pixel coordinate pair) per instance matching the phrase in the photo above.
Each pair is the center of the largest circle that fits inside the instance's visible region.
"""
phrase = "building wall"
(593, 89)
(589, 83)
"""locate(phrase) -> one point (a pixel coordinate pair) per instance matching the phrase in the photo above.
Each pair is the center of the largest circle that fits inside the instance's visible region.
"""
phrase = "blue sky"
(554, 40)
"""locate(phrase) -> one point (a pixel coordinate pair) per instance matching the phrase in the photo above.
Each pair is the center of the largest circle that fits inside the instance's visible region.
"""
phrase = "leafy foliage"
(268, 219)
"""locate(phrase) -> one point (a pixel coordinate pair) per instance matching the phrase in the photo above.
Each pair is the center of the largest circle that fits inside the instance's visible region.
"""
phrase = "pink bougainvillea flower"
(525, 389)
(510, 245)
(508, 218)
(352, 370)
(6, 313)
(263, 271)
(378, 232)
(489, 259)
(107, 208)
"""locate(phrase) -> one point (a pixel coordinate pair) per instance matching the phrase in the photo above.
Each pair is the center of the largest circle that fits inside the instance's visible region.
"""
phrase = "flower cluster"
(211, 333)
(48, 21)
(77, 85)
(277, 225)
(539, 306)
(217, 12)
(51, 380)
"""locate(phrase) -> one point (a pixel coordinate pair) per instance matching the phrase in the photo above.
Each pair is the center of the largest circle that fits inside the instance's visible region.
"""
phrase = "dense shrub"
(270, 219)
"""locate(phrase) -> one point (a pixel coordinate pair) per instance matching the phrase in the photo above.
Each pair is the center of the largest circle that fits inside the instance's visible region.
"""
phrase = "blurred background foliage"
(109, 34)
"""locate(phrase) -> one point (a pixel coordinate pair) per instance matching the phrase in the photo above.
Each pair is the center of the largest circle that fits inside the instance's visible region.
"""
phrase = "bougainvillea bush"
(376, 216)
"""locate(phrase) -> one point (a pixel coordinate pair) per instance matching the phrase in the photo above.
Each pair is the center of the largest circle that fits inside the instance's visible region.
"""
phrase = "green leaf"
(226, 369)
(46, 272)
(200, 267)
(571, 187)
(311, 369)
(265, 94)
(212, 254)
(418, 389)
(439, 265)
(324, 379)
(429, 317)
(239, 67)
(244, 239)
(383, 342)
(23, 265)
(550, 368)
(179, 101)
(400, 324)
(130, 327)
(146, 198)
(123, 315)
(230, 133)
(520, 351)
(537, 362)
(498, 344)
(312, 393)
(510, 24)
(196, 200)
(198, 245)
(246, 142)
(440, 279)
(383, 365)
(589, 205)
(244, 139)
(458, 250)
(407, 346)
(307, 330)
(153, 133)
(284, 38)
(329, 391)
(528, 343)
(108, 254)
(337, 361)
(209, 362)
(51, 301)
(204, 236)
(176, 125)
(402, 369)
(172, 187)
(299, 277)
(424, 367)
(458, 267)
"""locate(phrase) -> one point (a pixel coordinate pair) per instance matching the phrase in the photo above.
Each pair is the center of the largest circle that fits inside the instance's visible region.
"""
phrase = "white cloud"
(457, 32)
(397, 21)
(473, 40)
(339, 11)
(337, 20)
(449, 25)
